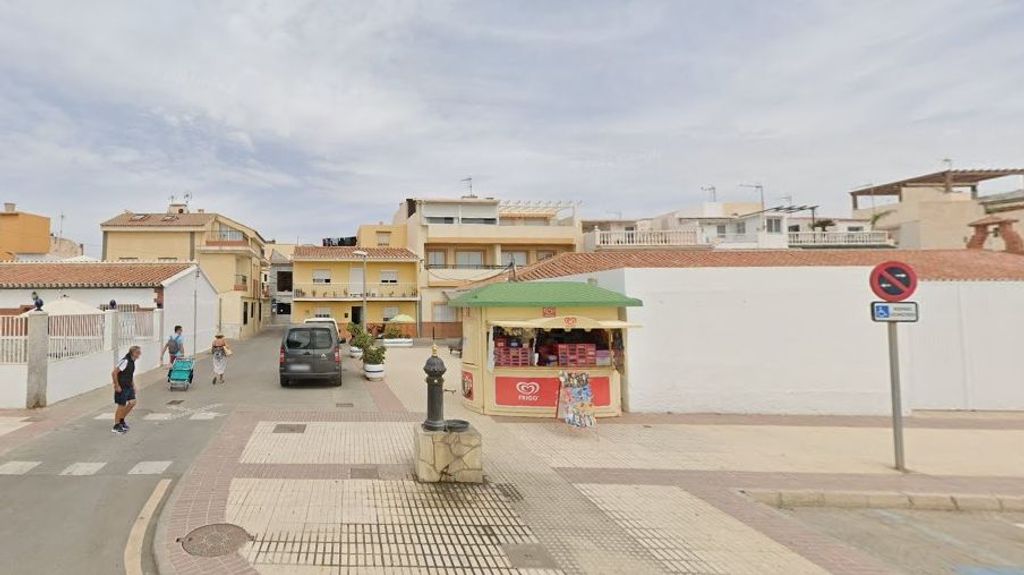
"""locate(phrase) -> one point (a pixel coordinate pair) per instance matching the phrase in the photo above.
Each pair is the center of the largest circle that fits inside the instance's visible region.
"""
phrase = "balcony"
(601, 240)
(557, 233)
(353, 292)
(241, 283)
(839, 239)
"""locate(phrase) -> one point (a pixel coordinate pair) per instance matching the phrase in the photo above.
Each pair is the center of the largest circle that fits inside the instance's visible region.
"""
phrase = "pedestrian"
(175, 348)
(220, 351)
(125, 397)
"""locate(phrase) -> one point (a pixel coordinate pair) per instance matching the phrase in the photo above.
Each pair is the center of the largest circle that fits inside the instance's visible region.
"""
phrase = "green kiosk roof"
(543, 294)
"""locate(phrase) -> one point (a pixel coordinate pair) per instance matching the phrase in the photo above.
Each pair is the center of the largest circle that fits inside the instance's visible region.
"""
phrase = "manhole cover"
(345, 404)
(529, 556)
(215, 540)
(290, 428)
(176, 402)
(364, 473)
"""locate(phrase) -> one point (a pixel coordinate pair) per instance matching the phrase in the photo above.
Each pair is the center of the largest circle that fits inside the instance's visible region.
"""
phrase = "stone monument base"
(450, 456)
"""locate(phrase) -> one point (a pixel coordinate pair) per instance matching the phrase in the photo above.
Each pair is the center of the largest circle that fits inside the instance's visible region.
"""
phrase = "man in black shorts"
(124, 388)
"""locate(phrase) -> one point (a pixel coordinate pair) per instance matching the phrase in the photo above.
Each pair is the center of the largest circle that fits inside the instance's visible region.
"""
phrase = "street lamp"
(366, 309)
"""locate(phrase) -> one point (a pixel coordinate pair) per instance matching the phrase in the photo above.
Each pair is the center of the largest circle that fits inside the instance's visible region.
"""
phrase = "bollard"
(434, 368)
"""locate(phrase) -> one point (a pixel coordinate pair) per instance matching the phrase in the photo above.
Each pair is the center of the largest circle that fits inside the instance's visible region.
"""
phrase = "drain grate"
(215, 540)
(364, 473)
(290, 428)
(176, 402)
(345, 404)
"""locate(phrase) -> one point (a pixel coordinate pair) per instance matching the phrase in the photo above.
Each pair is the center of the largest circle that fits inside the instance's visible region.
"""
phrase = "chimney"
(177, 209)
(1012, 241)
(9, 207)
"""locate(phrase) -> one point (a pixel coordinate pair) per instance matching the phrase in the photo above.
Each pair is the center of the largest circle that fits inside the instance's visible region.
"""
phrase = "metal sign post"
(894, 282)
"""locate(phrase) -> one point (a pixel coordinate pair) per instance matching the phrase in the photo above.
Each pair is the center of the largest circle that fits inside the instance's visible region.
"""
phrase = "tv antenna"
(469, 182)
(712, 192)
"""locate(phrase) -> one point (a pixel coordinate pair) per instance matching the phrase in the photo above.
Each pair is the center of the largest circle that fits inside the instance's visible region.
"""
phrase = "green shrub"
(354, 329)
(362, 340)
(374, 355)
(393, 332)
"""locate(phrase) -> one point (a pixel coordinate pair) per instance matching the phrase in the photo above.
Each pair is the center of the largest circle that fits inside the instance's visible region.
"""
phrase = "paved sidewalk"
(332, 490)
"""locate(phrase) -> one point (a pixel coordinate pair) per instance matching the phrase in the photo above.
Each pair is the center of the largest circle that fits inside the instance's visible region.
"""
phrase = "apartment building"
(462, 240)
(935, 211)
(279, 281)
(25, 236)
(335, 281)
(229, 253)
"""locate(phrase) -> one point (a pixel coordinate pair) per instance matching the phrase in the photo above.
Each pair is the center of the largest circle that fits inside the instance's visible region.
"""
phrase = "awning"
(564, 322)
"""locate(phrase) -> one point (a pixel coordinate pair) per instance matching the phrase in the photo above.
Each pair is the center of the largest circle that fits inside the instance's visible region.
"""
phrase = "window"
(440, 220)
(855, 229)
(245, 314)
(318, 338)
(436, 258)
(545, 254)
(388, 277)
(720, 230)
(491, 221)
(469, 259)
(444, 313)
(284, 281)
(795, 228)
(518, 257)
(321, 276)
(773, 225)
(390, 312)
(127, 259)
(322, 312)
(166, 259)
(741, 228)
(383, 239)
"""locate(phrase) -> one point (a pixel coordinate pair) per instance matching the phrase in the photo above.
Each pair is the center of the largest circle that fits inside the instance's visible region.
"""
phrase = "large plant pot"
(398, 342)
(355, 352)
(373, 372)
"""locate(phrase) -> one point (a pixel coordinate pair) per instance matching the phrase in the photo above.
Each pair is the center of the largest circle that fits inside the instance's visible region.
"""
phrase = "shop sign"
(525, 391)
(549, 312)
(570, 322)
(467, 384)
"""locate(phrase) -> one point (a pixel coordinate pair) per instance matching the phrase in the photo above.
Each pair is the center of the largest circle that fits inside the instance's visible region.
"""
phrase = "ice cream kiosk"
(525, 342)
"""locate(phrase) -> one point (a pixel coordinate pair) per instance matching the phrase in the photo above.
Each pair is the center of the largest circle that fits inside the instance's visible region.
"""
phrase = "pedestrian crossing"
(82, 468)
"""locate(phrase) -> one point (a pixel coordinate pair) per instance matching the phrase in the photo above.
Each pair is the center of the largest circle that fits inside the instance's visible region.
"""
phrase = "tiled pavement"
(332, 491)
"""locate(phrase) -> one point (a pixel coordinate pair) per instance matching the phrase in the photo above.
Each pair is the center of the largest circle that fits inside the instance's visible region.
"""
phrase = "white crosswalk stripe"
(159, 416)
(83, 468)
(205, 416)
(149, 468)
(106, 416)
(18, 467)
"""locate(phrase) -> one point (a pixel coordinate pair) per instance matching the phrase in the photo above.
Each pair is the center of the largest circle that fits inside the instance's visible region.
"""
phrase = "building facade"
(230, 254)
(335, 281)
(279, 281)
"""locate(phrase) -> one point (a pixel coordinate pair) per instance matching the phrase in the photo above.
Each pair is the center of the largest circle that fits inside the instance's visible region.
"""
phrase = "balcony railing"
(342, 291)
(625, 239)
(464, 267)
(874, 238)
(241, 282)
(225, 236)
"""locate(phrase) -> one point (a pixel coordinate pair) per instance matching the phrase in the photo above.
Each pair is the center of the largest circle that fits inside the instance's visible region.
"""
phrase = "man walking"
(175, 347)
(124, 388)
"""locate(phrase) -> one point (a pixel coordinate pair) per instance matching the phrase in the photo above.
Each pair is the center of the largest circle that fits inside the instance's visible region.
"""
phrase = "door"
(355, 280)
(357, 314)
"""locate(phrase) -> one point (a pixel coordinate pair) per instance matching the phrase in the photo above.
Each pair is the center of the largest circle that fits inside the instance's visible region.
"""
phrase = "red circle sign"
(893, 281)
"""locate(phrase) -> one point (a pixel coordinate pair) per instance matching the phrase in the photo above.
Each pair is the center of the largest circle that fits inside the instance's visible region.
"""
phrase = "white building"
(789, 332)
(172, 287)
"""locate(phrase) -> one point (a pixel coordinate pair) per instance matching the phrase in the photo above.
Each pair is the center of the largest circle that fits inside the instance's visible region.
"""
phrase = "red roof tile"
(929, 264)
(87, 274)
(347, 253)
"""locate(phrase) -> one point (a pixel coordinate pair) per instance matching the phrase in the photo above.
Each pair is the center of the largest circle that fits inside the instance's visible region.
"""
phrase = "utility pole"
(760, 191)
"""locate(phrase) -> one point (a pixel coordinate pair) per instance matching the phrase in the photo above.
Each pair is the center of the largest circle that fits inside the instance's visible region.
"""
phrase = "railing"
(715, 239)
(134, 326)
(353, 291)
(13, 339)
(464, 267)
(241, 282)
(626, 239)
(75, 335)
(873, 238)
(225, 236)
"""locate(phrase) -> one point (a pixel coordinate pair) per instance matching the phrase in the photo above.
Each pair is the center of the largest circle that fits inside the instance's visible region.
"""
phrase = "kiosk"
(520, 338)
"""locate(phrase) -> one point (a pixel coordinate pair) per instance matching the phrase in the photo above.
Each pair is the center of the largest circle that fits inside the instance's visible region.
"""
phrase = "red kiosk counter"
(521, 337)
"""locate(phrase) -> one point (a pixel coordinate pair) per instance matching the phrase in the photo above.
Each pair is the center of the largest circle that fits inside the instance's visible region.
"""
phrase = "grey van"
(310, 352)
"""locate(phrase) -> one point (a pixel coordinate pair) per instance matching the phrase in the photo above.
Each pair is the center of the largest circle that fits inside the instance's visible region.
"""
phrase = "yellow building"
(331, 282)
(23, 233)
(462, 240)
(229, 253)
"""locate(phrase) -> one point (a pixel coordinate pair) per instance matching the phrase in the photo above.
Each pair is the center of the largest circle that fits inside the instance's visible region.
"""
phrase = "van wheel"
(284, 381)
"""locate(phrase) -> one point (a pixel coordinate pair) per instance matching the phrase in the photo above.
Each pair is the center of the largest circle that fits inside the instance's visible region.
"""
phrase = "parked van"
(310, 352)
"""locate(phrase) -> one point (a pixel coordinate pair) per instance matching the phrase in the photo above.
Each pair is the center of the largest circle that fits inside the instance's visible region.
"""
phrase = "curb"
(886, 500)
(160, 555)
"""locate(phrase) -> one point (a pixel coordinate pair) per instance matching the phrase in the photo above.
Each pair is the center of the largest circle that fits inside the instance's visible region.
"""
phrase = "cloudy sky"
(304, 118)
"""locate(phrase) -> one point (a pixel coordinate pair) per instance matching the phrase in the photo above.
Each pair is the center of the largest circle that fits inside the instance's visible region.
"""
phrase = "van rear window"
(318, 338)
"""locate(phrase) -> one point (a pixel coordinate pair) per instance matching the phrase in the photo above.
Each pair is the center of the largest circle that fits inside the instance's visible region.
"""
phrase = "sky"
(305, 118)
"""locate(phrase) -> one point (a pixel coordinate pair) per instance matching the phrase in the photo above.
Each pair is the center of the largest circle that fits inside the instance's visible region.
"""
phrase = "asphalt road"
(73, 510)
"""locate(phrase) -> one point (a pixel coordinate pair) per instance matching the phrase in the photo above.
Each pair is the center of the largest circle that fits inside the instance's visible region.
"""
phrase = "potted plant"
(360, 341)
(373, 362)
(393, 337)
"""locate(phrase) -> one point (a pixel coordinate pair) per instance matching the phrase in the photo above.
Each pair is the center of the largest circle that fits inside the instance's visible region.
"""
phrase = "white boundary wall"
(801, 341)
(75, 376)
(13, 386)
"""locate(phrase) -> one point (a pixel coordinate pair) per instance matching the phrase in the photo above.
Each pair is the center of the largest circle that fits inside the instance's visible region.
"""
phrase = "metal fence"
(75, 335)
(13, 339)
(134, 326)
